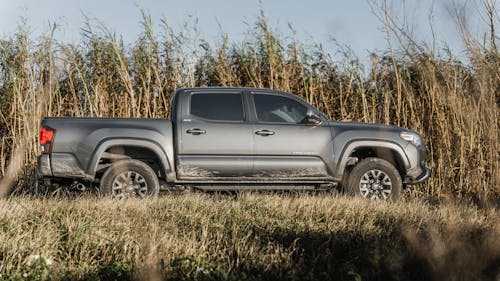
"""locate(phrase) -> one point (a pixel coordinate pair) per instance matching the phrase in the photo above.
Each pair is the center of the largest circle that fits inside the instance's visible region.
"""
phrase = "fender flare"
(137, 142)
(367, 143)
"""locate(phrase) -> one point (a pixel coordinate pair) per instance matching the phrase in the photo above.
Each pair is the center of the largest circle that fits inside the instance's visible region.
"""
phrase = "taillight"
(46, 137)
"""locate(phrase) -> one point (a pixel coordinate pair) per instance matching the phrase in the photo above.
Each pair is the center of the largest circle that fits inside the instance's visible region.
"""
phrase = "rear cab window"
(217, 106)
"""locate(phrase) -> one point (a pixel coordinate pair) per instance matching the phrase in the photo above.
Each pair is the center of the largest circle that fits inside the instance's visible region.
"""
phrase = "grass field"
(246, 237)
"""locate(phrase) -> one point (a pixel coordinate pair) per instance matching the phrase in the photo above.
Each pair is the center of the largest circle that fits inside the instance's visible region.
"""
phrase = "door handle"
(264, 133)
(196, 131)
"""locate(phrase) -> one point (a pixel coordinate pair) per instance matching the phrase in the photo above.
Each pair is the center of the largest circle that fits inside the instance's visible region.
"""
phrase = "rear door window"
(222, 107)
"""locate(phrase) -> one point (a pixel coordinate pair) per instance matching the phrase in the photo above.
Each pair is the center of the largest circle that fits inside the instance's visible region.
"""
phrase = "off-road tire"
(135, 167)
(365, 170)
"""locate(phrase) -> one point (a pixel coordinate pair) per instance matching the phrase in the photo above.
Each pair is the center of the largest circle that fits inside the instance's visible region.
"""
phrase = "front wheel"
(129, 179)
(375, 179)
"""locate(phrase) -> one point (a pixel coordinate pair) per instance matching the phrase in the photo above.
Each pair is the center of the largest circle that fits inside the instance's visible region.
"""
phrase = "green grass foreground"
(246, 237)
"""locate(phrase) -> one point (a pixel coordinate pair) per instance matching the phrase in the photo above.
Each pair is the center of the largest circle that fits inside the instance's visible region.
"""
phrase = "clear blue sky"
(315, 21)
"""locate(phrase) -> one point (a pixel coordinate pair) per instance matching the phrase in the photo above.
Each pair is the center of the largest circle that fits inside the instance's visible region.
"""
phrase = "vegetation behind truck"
(232, 139)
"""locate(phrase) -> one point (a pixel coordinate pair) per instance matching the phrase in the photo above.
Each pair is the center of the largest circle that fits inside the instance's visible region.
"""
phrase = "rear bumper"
(43, 166)
(62, 165)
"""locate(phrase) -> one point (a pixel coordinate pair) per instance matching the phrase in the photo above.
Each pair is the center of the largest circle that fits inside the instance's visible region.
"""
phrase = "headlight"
(411, 137)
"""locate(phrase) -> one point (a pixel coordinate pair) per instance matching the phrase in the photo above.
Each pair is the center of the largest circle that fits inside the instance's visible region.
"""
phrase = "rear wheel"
(375, 179)
(129, 179)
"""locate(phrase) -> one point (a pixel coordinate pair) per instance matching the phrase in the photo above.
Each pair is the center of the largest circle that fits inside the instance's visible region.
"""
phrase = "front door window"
(277, 109)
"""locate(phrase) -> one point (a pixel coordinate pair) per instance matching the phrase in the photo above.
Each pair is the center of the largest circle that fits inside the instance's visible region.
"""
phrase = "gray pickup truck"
(231, 139)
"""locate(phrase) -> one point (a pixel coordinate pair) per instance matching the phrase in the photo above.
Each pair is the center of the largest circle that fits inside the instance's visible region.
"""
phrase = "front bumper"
(425, 174)
(417, 170)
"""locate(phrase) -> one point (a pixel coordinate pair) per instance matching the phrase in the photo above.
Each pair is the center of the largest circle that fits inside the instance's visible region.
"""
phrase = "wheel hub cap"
(128, 185)
(375, 185)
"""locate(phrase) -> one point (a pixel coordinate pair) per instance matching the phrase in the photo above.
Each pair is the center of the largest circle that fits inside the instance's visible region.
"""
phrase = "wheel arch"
(357, 150)
(164, 160)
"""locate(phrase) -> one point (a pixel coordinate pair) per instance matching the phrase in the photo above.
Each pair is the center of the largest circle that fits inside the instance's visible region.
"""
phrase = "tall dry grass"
(453, 103)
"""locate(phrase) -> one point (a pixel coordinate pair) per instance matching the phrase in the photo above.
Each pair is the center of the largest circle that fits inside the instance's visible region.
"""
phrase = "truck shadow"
(350, 255)
(343, 255)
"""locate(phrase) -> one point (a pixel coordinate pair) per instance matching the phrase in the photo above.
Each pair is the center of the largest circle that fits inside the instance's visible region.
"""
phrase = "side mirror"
(312, 118)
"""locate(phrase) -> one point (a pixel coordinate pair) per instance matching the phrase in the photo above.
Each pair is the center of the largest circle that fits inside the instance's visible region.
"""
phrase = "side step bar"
(251, 187)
